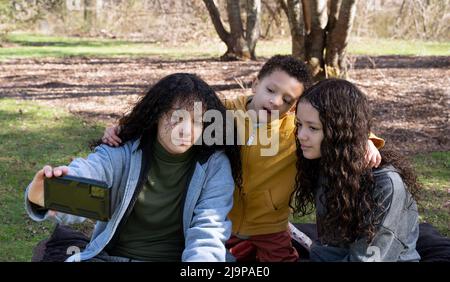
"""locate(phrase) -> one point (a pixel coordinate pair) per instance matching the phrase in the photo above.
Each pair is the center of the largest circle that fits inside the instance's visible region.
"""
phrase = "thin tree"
(89, 15)
(240, 42)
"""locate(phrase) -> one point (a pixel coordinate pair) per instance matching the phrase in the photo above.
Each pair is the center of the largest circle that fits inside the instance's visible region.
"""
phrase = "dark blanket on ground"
(63, 242)
(431, 245)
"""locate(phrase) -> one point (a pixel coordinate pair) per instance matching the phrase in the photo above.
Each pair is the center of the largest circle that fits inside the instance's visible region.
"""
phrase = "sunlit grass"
(38, 46)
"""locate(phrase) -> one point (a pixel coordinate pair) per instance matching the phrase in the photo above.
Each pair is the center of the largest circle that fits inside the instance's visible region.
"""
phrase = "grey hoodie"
(396, 236)
(208, 200)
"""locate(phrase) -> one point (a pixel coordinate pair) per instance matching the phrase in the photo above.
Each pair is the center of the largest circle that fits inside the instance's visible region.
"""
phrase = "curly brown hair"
(349, 190)
(289, 64)
(185, 89)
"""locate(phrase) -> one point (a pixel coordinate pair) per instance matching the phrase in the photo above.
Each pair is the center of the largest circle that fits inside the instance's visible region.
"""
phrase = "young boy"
(261, 207)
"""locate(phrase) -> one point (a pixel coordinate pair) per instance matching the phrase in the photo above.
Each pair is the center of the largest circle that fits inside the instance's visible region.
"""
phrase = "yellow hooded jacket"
(262, 205)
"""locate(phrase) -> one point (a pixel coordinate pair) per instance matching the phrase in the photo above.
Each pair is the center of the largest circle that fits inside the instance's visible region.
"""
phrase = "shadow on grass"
(70, 42)
(27, 144)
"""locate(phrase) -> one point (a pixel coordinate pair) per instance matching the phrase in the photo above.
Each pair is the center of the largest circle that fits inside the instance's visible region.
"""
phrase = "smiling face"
(309, 130)
(178, 131)
(277, 91)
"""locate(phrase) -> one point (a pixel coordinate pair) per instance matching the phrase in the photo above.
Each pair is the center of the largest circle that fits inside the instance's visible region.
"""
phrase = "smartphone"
(78, 196)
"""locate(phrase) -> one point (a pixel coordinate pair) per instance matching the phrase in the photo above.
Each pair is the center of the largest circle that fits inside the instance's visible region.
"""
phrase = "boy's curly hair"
(289, 64)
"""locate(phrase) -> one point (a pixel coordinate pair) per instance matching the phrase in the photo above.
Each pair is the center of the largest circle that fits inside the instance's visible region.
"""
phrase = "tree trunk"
(238, 48)
(217, 22)
(315, 40)
(240, 45)
(89, 15)
(320, 35)
(253, 25)
(294, 13)
(335, 5)
(337, 40)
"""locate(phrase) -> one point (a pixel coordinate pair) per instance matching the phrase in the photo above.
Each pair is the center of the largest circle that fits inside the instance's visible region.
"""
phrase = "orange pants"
(275, 247)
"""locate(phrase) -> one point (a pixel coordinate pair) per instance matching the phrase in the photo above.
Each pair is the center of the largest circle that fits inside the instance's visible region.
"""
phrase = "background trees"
(240, 42)
(320, 32)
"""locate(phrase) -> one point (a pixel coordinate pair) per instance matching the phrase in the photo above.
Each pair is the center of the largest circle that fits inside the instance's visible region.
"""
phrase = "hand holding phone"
(80, 196)
(55, 190)
(36, 192)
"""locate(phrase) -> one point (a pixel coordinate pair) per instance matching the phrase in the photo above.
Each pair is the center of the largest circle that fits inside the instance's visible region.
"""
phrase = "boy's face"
(277, 91)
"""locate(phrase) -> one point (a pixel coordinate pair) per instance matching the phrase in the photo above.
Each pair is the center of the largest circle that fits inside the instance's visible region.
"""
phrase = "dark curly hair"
(184, 89)
(349, 198)
(289, 64)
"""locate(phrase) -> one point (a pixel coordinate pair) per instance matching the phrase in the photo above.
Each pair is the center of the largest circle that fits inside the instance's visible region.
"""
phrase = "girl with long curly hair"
(362, 213)
(170, 199)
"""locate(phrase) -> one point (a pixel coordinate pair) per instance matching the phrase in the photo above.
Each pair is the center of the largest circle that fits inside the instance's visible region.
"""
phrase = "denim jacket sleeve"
(210, 226)
(397, 235)
(97, 166)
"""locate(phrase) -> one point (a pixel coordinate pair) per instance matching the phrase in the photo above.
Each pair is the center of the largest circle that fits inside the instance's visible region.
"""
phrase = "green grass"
(434, 174)
(33, 135)
(367, 46)
(39, 46)
(30, 137)
(380, 46)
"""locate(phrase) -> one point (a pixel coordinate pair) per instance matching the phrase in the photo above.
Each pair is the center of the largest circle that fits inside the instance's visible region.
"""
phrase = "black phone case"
(78, 196)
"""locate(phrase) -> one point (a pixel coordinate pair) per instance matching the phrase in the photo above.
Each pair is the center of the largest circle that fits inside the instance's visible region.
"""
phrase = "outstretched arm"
(97, 165)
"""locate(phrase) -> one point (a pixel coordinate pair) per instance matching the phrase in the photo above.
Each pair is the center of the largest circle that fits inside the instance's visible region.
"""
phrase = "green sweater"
(154, 230)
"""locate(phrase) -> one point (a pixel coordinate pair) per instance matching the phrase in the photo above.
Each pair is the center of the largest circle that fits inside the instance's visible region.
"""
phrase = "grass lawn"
(34, 135)
(434, 173)
(30, 137)
(38, 46)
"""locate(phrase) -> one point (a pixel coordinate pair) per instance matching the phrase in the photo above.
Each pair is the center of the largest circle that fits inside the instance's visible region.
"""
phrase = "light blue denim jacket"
(209, 198)
(397, 234)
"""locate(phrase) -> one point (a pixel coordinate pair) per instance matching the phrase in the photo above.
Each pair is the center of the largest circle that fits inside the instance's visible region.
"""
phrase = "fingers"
(372, 156)
(60, 171)
(378, 160)
(110, 136)
(111, 142)
(49, 172)
(372, 161)
(36, 192)
(115, 134)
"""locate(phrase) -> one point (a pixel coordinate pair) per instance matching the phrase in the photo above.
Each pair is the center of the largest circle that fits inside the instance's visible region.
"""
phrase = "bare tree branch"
(217, 21)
